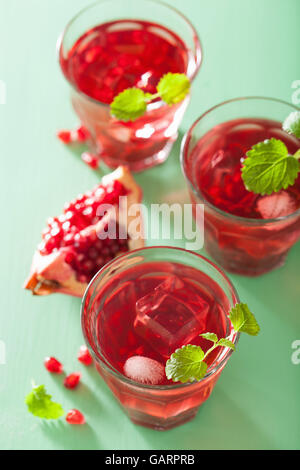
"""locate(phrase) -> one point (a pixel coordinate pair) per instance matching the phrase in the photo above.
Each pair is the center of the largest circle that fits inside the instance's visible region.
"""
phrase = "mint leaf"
(39, 403)
(173, 87)
(129, 105)
(210, 337)
(186, 364)
(226, 343)
(292, 124)
(243, 320)
(269, 168)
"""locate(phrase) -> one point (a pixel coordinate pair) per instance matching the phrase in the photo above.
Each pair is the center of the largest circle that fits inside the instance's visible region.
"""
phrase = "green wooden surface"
(250, 48)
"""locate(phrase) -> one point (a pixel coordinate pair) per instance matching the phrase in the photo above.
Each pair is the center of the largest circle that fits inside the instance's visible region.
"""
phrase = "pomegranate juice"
(138, 318)
(214, 168)
(110, 58)
(163, 312)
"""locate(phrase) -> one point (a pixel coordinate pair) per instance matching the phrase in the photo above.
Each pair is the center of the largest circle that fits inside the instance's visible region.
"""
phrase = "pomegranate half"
(79, 242)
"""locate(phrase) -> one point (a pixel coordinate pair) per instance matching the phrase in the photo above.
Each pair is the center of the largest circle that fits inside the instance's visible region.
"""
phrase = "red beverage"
(139, 313)
(218, 159)
(112, 56)
(244, 232)
(122, 54)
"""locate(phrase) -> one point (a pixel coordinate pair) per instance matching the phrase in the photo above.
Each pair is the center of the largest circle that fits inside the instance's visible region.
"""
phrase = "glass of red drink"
(138, 310)
(113, 45)
(244, 232)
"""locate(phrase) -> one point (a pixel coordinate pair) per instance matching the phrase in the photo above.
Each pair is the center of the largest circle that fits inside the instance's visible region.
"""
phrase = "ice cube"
(155, 298)
(276, 205)
(170, 316)
(144, 370)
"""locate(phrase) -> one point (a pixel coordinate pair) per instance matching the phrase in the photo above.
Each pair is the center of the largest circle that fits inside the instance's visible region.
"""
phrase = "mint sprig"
(131, 103)
(187, 363)
(40, 404)
(269, 167)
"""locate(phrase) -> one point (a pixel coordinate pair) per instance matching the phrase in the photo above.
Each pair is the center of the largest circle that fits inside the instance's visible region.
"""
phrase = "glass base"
(141, 165)
(239, 263)
(161, 424)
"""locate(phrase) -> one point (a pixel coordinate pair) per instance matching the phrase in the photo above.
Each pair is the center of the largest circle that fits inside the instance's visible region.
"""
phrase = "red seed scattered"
(84, 356)
(72, 380)
(75, 417)
(91, 160)
(53, 365)
(64, 136)
(78, 135)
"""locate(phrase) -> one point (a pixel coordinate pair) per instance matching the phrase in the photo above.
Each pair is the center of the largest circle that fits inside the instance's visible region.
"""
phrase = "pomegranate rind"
(51, 274)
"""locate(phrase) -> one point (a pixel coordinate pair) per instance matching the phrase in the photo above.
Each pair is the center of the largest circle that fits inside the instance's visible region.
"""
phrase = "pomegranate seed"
(66, 226)
(88, 212)
(52, 220)
(100, 261)
(72, 380)
(82, 278)
(99, 193)
(64, 136)
(82, 134)
(91, 160)
(53, 365)
(99, 244)
(84, 356)
(87, 266)
(69, 239)
(114, 248)
(80, 198)
(70, 257)
(75, 417)
(93, 253)
(105, 250)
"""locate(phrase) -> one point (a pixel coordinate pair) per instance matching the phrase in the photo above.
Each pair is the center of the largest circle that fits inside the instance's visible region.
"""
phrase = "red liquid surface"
(183, 303)
(214, 168)
(114, 56)
(165, 319)
(219, 161)
(110, 58)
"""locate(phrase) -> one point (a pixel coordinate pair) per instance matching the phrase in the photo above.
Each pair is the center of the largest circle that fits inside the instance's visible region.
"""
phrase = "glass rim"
(211, 370)
(158, 103)
(199, 194)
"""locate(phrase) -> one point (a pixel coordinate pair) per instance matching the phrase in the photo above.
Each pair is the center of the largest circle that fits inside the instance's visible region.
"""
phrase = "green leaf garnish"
(173, 87)
(39, 403)
(131, 103)
(187, 363)
(210, 337)
(243, 320)
(269, 168)
(226, 343)
(291, 124)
